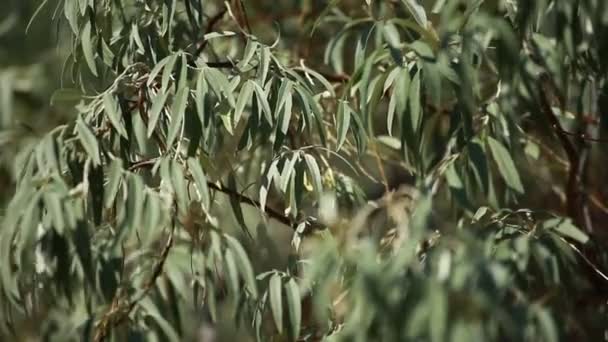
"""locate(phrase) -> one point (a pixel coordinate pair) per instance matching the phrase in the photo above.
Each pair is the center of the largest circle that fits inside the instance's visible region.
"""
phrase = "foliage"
(351, 170)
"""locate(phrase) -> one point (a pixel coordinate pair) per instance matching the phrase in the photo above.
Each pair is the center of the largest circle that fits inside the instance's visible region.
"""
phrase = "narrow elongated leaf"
(111, 108)
(87, 48)
(220, 85)
(54, 205)
(414, 101)
(262, 98)
(114, 179)
(201, 93)
(177, 113)
(243, 99)
(167, 72)
(315, 173)
(321, 79)
(287, 171)
(391, 35)
(265, 64)
(158, 104)
(243, 264)
(157, 69)
(343, 122)
(398, 100)
(565, 228)
(505, 164)
(286, 114)
(135, 203)
(232, 272)
(70, 10)
(88, 141)
(417, 11)
(276, 301)
(294, 303)
(271, 173)
(201, 181)
(248, 54)
(236, 204)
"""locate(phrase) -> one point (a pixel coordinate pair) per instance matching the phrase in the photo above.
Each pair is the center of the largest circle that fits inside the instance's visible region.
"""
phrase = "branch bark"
(575, 194)
(121, 306)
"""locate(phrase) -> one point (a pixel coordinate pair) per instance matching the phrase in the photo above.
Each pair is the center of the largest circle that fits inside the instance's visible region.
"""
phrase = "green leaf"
(398, 100)
(135, 203)
(505, 164)
(150, 310)
(248, 54)
(417, 11)
(88, 141)
(112, 110)
(315, 173)
(201, 92)
(136, 37)
(243, 99)
(244, 265)
(414, 101)
(271, 173)
(287, 171)
(547, 325)
(158, 104)
(265, 64)
(439, 313)
(87, 48)
(321, 79)
(70, 10)
(391, 35)
(157, 69)
(54, 205)
(177, 114)
(343, 122)
(566, 228)
(232, 271)
(263, 102)
(292, 292)
(276, 301)
(201, 181)
(114, 179)
(167, 72)
(220, 85)
(286, 114)
(236, 204)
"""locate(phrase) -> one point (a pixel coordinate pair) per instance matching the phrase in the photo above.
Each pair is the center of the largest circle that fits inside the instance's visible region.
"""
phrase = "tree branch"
(574, 194)
(272, 213)
(121, 306)
(212, 22)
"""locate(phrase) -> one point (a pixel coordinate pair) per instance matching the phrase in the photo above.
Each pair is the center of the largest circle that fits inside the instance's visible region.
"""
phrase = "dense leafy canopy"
(342, 170)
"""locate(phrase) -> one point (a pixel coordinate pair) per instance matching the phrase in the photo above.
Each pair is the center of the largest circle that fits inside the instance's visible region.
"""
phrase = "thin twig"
(121, 306)
(250, 201)
(272, 213)
(212, 22)
(245, 16)
(594, 198)
(574, 195)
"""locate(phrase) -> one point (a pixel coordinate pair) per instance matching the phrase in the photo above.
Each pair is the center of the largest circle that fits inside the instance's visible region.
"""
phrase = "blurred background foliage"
(303, 170)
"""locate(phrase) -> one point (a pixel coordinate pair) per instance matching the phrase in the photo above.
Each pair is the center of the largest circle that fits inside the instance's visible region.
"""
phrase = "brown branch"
(212, 22)
(272, 213)
(221, 64)
(121, 306)
(245, 16)
(336, 78)
(574, 194)
(582, 136)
